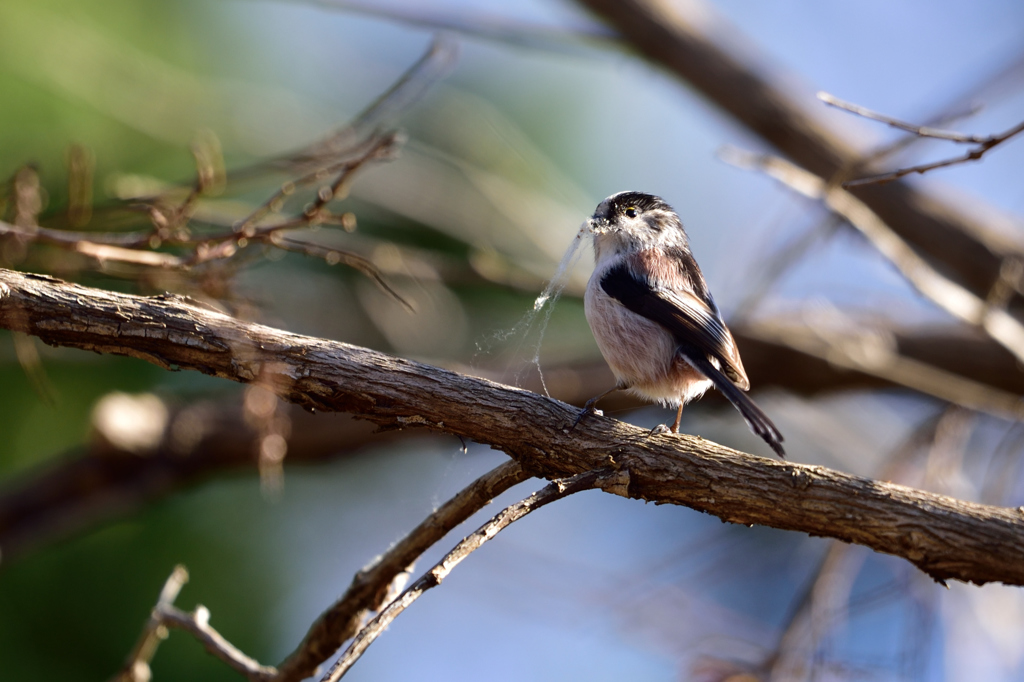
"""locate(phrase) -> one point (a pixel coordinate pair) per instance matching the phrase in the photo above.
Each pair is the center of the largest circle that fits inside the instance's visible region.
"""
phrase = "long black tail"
(756, 419)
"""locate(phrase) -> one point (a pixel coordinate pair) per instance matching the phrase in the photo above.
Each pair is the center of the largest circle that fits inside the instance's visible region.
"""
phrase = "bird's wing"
(695, 324)
(702, 337)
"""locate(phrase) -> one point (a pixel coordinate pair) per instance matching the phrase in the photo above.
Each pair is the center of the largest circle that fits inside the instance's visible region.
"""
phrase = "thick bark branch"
(105, 480)
(945, 537)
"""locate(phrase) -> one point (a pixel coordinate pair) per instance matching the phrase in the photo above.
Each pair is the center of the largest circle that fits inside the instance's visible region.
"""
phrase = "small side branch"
(921, 131)
(436, 575)
(165, 615)
(369, 588)
(984, 142)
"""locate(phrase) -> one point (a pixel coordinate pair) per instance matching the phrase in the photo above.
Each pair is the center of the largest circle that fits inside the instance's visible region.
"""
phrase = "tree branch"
(433, 578)
(368, 592)
(871, 352)
(984, 142)
(164, 615)
(108, 479)
(920, 131)
(944, 537)
(369, 588)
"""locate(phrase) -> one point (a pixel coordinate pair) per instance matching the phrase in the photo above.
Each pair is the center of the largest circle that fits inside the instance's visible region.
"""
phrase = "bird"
(654, 319)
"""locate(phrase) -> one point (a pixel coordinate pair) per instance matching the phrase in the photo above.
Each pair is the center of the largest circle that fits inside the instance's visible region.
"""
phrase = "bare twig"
(984, 142)
(944, 537)
(335, 256)
(165, 615)
(948, 295)
(902, 143)
(197, 623)
(136, 668)
(369, 587)
(319, 175)
(432, 578)
(923, 168)
(922, 131)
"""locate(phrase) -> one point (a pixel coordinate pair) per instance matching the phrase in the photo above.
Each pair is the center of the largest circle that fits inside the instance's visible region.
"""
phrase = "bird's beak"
(598, 225)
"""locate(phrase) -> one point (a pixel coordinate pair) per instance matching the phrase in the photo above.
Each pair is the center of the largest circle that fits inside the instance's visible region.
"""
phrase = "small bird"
(653, 317)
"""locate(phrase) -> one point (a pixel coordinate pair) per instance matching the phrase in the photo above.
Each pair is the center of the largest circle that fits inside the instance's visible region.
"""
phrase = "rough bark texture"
(102, 481)
(945, 537)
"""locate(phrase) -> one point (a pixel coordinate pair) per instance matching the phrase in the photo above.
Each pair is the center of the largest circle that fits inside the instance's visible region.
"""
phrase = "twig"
(165, 615)
(198, 625)
(335, 256)
(948, 295)
(922, 131)
(907, 141)
(944, 537)
(984, 142)
(369, 587)
(432, 578)
(136, 668)
(378, 146)
(175, 241)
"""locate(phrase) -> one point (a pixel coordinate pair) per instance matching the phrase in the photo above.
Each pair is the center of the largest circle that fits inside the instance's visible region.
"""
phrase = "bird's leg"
(679, 418)
(662, 429)
(589, 407)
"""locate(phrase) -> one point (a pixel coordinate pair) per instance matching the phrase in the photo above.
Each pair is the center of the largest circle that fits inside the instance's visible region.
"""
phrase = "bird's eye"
(631, 211)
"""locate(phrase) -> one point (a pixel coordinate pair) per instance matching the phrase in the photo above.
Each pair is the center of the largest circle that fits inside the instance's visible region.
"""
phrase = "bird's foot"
(587, 409)
(659, 430)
